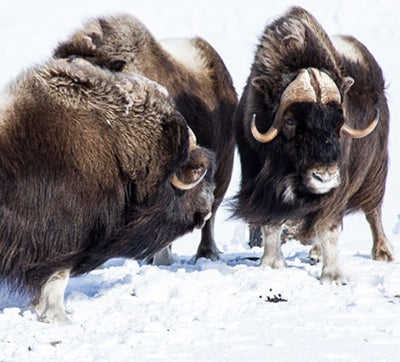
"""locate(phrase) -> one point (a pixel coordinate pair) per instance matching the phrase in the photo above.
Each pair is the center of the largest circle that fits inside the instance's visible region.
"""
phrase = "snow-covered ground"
(225, 310)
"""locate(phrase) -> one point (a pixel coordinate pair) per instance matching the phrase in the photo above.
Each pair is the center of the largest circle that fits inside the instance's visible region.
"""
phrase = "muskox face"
(195, 203)
(309, 120)
(310, 140)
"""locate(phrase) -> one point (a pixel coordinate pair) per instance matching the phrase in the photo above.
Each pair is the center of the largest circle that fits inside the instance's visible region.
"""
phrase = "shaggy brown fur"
(291, 43)
(200, 85)
(86, 161)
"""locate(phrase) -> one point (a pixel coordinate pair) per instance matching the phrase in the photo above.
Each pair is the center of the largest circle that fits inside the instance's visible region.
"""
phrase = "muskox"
(312, 133)
(93, 165)
(191, 71)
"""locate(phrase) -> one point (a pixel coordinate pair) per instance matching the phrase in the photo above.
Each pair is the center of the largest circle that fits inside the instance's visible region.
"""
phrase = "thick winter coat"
(192, 72)
(88, 164)
(312, 130)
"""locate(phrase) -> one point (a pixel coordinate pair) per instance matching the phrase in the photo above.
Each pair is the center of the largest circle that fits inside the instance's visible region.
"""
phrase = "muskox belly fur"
(87, 163)
(312, 133)
(193, 74)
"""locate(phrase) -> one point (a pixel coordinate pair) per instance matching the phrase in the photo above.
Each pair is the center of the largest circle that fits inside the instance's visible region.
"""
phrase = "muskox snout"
(203, 202)
(320, 180)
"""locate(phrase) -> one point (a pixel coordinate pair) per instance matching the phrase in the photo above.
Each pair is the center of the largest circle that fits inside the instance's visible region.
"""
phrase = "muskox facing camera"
(312, 129)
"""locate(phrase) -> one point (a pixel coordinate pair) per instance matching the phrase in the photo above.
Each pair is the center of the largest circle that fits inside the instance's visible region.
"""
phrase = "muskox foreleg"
(255, 236)
(207, 247)
(50, 304)
(273, 256)
(382, 250)
(331, 270)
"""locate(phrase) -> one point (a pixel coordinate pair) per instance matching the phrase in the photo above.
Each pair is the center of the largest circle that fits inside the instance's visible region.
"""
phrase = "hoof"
(55, 318)
(384, 253)
(274, 263)
(333, 277)
(213, 255)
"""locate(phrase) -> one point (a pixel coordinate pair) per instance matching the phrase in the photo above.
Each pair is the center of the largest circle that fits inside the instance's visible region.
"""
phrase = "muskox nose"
(322, 176)
(323, 179)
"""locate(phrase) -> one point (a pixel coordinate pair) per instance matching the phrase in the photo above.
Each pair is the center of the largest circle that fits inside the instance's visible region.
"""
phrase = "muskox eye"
(117, 65)
(290, 122)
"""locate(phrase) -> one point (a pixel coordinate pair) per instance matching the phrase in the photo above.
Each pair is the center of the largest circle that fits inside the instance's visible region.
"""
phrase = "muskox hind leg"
(50, 304)
(164, 257)
(331, 270)
(273, 256)
(382, 250)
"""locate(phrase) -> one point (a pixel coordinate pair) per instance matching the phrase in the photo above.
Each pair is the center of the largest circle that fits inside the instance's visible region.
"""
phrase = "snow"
(221, 310)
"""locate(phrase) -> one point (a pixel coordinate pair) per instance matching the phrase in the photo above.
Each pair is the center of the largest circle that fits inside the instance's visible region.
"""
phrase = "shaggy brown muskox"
(191, 71)
(312, 130)
(93, 165)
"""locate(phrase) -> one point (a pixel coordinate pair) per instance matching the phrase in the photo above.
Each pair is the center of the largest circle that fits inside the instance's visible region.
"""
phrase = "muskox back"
(368, 156)
(192, 72)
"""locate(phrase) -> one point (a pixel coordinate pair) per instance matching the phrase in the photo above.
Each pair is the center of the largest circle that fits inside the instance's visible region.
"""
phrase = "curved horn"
(186, 186)
(329, 90)
(264, 137)
(192, 140)
(299, 90)
(175, 181)
(360, 133)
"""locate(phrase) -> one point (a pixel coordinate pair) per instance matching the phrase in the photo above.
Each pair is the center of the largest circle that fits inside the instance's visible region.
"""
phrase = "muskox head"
(194, 172)
(118, 43)
(194, 185)
(310, 119)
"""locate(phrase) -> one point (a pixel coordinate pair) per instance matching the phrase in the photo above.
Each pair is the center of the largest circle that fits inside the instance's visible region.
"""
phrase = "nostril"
(318, 176)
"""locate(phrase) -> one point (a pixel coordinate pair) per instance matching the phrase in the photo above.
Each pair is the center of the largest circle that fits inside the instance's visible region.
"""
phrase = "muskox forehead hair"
(290, 43)
(124, 33)
(296, 35)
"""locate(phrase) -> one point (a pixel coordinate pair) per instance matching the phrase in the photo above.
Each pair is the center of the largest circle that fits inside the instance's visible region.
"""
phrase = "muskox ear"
(261, 84)
(346, 85)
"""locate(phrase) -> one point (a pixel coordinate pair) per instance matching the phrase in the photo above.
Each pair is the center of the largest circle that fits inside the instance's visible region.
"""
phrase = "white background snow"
(219, 311)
